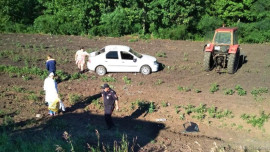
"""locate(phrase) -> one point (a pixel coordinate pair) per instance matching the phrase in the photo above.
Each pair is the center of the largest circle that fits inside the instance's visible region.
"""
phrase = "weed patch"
(258, 92)
(214, 88)
(255, 120)
(74, 98)
(240, 90)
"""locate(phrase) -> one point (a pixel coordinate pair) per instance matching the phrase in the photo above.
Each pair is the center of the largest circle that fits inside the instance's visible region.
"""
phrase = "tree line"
(166, 19)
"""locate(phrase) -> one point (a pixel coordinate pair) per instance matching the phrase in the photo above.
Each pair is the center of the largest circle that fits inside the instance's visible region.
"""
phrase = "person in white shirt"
(80, 59)
(51, 91)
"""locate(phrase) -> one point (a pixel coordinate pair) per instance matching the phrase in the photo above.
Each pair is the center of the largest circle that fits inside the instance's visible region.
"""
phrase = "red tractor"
(223, 52)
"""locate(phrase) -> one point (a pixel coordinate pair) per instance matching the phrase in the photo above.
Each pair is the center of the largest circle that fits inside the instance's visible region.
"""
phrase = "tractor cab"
(223, 51)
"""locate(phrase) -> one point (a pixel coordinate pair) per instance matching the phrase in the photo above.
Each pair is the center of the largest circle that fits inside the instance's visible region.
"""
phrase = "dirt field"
(181, 82)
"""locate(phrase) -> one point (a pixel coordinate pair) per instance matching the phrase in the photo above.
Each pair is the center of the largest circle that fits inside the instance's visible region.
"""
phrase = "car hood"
(148, 57)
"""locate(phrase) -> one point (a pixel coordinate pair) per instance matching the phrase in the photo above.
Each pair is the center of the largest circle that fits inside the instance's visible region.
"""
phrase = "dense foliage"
(168, 19)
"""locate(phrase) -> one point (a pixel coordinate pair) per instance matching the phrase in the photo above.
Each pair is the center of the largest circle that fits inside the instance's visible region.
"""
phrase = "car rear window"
(112, 55)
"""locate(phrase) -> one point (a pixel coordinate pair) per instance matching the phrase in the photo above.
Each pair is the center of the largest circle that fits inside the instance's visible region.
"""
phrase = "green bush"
(175, 33)
(208, 24)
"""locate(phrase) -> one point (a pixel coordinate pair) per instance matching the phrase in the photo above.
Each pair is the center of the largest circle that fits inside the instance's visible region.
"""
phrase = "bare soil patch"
(182, 67)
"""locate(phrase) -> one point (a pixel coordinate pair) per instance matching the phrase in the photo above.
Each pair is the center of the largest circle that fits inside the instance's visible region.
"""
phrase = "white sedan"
(119, 58)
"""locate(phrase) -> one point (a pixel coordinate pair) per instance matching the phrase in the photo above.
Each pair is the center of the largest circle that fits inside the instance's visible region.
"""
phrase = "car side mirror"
(135, 60)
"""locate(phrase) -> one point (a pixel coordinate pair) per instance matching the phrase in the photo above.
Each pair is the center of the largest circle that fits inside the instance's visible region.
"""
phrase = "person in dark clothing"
(51, 64)
(110, 100)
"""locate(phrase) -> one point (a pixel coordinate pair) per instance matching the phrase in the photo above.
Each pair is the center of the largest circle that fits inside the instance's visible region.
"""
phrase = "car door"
(129, 62)
(112, 62)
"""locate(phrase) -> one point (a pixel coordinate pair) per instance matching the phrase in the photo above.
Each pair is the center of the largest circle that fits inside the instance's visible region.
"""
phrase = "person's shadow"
(82, 104)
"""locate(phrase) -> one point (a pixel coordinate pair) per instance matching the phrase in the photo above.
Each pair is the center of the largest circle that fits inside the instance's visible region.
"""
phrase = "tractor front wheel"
(233, 62)
(208, 61)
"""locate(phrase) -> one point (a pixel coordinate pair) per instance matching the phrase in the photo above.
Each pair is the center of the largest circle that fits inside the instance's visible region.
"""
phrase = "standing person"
(80, 58)
(51, 64)
(110, 100)
(51, 91)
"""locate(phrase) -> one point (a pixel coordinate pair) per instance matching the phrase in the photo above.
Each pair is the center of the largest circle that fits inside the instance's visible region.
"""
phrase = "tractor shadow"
(243, 60)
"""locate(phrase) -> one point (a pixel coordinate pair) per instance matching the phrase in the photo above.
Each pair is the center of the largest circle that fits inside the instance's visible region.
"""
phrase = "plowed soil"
(181, 67)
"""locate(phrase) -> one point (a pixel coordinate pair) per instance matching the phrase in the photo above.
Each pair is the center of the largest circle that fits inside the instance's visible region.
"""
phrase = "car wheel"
(145, 70)
(101, 70)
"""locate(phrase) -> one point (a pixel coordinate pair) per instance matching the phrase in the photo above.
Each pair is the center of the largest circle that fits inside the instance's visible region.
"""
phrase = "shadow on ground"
(83, 126)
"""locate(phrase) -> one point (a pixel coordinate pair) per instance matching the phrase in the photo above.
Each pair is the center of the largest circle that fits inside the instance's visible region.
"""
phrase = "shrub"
(174, 33)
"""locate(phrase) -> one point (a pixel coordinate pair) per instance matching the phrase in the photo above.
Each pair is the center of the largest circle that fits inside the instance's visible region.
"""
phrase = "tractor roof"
(226, 29)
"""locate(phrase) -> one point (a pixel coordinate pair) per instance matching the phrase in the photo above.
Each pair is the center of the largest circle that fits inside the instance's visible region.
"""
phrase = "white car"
(119, 58)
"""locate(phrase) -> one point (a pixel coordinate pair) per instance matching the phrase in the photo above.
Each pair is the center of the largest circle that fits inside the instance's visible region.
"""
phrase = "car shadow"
(161, 66)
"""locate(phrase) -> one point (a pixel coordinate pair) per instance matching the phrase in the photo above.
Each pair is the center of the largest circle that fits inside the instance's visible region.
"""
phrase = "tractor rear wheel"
(208, 61)
(233, 62)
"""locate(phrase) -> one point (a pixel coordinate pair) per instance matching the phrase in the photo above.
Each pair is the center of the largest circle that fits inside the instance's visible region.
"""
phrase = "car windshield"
(223, 38)
(135, 53)
(100, 51)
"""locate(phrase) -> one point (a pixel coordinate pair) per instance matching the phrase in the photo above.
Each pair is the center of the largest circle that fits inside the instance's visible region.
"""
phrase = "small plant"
(240, 90)
(189, 108)
(214, 88)
(108, 79)
(212, 111)
(164, 104)
(152, 107)
(182, 116)
(159, 82)
(26, 78)
(126, 80)
(198, 91)
(186, 89)
(74, 98)
(161, 54)
(177, 109)
(229, 92)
